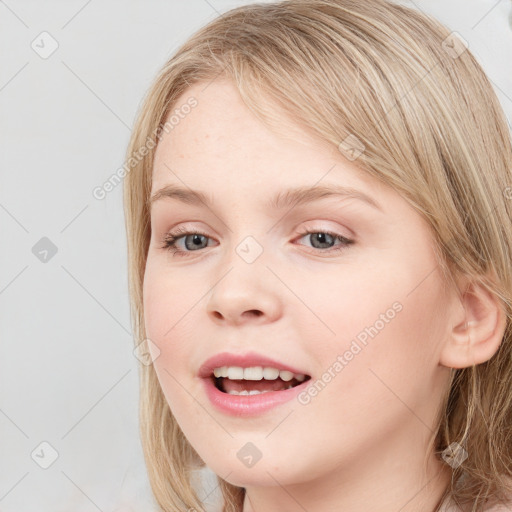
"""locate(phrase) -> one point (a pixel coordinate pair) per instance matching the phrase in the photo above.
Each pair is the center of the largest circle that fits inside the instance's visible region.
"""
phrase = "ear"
(478, 323)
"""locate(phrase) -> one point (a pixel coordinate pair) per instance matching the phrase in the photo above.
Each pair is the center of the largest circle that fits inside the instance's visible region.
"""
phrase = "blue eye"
(192, 237)
(327, 237)
(194, 240)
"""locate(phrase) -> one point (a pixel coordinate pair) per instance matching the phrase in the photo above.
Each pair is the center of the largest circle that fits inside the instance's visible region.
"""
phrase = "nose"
(245, 293)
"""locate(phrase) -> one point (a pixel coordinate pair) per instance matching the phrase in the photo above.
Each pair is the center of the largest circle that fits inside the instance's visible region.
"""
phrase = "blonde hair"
(400, 84)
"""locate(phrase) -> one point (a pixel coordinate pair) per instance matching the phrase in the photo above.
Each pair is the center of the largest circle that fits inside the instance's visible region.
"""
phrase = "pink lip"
(246, 405)
(249, 405)
(244, 361)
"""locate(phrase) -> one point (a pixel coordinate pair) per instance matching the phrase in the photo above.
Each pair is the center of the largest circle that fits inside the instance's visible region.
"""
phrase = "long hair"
(417, 103)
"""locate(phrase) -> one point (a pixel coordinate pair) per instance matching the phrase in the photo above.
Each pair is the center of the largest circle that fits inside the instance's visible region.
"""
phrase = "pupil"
(196, 240)
(322, 237)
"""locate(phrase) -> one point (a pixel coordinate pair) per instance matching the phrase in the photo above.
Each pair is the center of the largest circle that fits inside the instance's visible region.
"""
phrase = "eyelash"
(170, 239)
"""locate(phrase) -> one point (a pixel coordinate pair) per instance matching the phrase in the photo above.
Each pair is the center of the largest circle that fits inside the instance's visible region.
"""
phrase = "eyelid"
(186, 228)
(172, 237)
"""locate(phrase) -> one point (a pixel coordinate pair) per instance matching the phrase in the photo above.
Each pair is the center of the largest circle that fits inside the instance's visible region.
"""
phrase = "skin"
(359, 444)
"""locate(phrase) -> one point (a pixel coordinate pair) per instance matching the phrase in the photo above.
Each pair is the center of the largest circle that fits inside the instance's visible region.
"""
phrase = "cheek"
(169, 323)
(378, 369)
(168, 315)
(388, 318)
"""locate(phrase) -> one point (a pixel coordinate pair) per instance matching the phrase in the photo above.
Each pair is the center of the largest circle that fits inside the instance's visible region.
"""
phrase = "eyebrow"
(284, 199)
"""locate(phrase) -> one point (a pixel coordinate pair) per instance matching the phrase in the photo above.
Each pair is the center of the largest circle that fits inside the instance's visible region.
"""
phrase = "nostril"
(253, 312)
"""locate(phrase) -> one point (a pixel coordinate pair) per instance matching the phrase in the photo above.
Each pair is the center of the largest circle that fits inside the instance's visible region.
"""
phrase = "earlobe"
(477, 328)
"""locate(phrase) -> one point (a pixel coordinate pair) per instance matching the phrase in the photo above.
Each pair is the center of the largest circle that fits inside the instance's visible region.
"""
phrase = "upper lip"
(243, 360)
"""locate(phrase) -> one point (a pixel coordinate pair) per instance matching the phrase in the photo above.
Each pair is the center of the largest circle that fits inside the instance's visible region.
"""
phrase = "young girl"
(319, 216)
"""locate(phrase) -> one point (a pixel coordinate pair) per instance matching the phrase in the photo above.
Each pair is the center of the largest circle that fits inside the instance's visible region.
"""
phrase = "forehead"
(220, 118)
(221, 141)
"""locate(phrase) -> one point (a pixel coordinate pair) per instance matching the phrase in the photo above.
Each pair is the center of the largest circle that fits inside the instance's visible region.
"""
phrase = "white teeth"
(235, 372)
(253, 392)
(245, 392)
(286, 376)
(270, 373)
(256, 373)
(253, 373)
(219, 372)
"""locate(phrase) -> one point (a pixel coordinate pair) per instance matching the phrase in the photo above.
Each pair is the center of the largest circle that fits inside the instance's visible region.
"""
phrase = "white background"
(68, 376)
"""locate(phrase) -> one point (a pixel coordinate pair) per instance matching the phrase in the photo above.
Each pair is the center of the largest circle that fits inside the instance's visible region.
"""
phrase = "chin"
(261, 474)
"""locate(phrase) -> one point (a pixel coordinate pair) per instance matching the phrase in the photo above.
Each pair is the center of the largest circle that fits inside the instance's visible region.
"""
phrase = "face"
(357, 304)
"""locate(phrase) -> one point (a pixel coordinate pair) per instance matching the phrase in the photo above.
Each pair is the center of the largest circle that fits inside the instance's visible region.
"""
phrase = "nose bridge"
(250, 249)
(244, 268)
(247, 237)
(243, 289)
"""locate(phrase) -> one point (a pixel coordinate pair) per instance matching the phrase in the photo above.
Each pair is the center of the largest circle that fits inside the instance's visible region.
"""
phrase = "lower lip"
(249, 405)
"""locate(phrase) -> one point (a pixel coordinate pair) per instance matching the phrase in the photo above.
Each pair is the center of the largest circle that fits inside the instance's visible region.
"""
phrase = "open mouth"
(255, 387)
